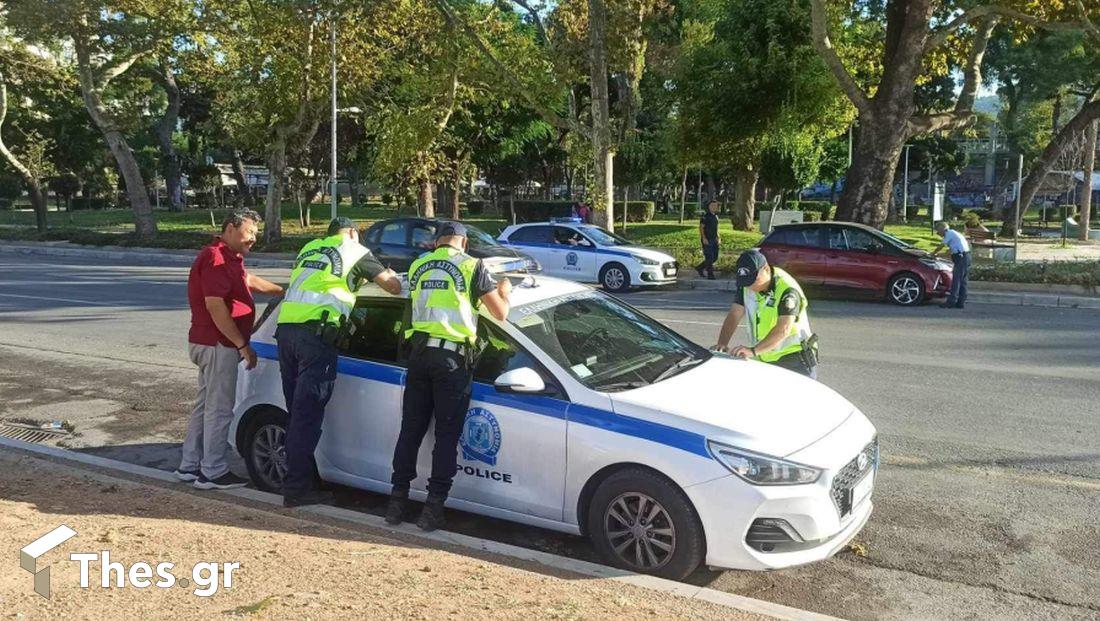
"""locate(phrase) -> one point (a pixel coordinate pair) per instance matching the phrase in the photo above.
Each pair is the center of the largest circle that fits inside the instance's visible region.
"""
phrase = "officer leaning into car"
(312, 318)
(779, 328)
(445, 287)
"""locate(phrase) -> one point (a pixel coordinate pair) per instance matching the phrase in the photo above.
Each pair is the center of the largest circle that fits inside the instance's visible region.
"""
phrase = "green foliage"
(639, 211)
(541, 211)
(822, 209)
(11, 186)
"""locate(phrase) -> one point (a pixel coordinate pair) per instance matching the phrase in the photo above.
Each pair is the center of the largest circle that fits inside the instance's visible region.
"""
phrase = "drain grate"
(30, 433)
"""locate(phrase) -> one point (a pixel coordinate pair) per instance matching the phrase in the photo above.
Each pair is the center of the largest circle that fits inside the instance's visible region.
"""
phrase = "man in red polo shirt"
(219, 291)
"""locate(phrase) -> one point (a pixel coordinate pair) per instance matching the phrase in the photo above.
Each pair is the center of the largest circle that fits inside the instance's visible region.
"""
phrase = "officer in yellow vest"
(775, 307)
(446, 287)
(317, 303)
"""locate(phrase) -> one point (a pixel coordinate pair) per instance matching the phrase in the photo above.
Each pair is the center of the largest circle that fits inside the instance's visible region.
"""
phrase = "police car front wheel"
(640, 521)
(265, 450)
(615, 278)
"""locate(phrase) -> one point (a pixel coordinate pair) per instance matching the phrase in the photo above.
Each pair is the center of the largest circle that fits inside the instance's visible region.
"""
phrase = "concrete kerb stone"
(142, 255)
(730, 600)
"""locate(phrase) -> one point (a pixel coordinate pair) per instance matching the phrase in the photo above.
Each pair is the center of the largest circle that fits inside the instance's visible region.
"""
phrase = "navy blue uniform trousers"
(308, 368)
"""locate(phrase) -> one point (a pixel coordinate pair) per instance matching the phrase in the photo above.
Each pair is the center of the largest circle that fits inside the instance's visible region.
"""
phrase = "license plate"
(670, 271)
(863, 489)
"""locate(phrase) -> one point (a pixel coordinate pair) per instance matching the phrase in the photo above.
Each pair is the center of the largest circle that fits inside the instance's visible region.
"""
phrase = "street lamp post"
(1016, 220)
(333, 120)
(905, 187)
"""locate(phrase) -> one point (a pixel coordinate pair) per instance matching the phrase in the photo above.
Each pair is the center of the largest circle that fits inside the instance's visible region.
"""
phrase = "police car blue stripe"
(544, 406)
(599, 250)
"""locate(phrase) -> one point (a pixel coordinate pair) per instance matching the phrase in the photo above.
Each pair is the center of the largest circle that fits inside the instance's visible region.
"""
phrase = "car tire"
(905, 289)
(671, 543)
(264, 449)
(615, 278)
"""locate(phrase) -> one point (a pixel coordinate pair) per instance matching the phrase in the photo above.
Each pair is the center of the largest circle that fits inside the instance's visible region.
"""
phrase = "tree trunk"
(165, 128)
(276, 166)
(1088, 114)
(603, 197)
(427, 207)
(456, 190)
(743, 216)
(34, 187)
(145, 224)
(244, 192)
(867, 186)
(1086, 194)
(683, 194)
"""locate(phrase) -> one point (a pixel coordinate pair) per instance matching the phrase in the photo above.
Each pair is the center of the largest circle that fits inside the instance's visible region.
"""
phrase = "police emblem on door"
(571, 259)
(481, 436)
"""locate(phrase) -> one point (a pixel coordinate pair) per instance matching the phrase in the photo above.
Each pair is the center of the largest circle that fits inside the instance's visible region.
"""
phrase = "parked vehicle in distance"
(397, 242)
(854, 258)
(568, 248)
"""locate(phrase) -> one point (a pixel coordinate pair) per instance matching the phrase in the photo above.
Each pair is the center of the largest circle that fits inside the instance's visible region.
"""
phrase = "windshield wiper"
(620, 386)
(688, 361)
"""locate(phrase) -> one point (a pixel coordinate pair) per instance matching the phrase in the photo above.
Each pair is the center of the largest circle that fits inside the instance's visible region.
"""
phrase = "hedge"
(90, 203)
(638, 211)
(475, 208)
(541, 211)
(824, 209)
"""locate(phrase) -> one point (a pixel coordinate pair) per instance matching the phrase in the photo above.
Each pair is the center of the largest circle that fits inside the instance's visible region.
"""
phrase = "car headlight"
(532, 266)
(760, 469)
(646, 261)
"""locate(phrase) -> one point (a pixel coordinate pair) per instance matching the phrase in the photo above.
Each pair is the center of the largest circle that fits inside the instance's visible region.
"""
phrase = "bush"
(639, 211)
(824, 209)
(475, 208)
(84, 202)
(541, 211)
(11, 187)
(811, 216)
(972, 219)
(6, 204)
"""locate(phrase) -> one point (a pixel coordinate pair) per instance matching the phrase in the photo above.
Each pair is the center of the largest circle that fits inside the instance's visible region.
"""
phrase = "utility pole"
(333, 171)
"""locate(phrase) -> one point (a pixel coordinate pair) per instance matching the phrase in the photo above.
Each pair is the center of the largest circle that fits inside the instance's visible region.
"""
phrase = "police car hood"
(648, 253)
(746, 404)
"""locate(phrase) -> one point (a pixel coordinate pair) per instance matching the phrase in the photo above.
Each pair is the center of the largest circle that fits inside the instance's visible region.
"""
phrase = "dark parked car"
(398, 242)
(855, 258)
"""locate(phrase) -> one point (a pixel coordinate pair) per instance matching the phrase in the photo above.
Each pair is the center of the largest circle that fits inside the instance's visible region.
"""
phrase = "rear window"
(532, 234)
(393, 233)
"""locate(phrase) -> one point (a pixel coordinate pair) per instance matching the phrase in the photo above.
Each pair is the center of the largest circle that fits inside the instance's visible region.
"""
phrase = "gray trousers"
(207, 442)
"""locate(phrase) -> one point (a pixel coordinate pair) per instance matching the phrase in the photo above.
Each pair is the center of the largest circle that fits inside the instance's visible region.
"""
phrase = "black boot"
(431, 517)
(395, 509)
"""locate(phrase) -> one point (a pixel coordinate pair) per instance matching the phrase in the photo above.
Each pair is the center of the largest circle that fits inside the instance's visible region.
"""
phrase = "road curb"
(729, 600)
(976, 296)
(140, 255)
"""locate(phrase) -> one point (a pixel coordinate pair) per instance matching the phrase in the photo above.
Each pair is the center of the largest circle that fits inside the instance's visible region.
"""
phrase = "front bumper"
(938, 284)
(664, 274)
(746, 525)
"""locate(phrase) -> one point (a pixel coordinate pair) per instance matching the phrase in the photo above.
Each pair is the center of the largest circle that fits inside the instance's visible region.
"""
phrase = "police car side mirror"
(522, 380)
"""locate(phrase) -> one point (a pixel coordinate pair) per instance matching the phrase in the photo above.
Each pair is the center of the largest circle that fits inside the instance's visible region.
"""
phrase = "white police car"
(568, 248)
(589, 417)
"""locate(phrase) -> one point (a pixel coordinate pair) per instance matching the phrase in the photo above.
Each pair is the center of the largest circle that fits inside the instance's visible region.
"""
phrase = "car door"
(867, 260)
(802, 254)
(512, 449)
(575, 255)
(842, 264)
(537, 241)
(364, 415)
(391, 246)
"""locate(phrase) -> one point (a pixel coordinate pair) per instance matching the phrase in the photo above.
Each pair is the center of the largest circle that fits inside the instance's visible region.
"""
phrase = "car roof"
(853, 225)
(546, 287)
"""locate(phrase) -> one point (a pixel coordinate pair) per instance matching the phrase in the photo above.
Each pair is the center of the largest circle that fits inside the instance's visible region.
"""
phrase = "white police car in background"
(568, 248)
(589, 417)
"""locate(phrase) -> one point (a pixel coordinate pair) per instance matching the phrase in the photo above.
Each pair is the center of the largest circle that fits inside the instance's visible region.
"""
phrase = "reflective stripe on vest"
(762, 311)
(439, 285)
(319, 281)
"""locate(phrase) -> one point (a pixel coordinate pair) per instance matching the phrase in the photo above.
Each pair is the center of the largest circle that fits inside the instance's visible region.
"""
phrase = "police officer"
(315, 308)
(779, 328)
(446, 287)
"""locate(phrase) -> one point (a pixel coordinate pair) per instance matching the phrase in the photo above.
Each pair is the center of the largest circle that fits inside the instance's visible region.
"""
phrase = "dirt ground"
(289, 568)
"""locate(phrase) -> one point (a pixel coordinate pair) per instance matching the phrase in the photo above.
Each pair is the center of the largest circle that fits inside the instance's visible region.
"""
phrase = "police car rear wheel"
(266, 446)
(615, 278)
(640, 521)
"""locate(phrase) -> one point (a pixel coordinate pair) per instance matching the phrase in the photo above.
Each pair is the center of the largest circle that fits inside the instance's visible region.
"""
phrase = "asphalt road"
(987, 505)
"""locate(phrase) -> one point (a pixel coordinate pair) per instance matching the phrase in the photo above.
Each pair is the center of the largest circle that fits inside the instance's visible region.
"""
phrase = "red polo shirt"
(219, 272)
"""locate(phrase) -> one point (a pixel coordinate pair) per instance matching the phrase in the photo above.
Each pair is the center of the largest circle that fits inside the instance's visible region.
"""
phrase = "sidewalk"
(292, 566)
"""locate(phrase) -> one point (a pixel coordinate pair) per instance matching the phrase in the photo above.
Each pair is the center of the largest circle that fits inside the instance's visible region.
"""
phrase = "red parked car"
(850, 257)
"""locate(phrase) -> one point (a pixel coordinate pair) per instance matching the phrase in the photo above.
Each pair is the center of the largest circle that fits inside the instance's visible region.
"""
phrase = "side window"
(836, 240)
(531, 234)
(376, 331)
(373, 234)
(778, 236)
(393, 233)
(565, 236)
(805, 237)
(860, 240)
(502, 354)
(422, 236)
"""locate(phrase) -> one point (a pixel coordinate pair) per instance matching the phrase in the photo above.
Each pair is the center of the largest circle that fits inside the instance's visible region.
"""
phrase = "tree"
(922, 40)
(165, 75)
(32, 167)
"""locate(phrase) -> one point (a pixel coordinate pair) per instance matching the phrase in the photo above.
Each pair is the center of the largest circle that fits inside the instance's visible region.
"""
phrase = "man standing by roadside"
(960, 258)
(446, 287)
(708, 237)
(219, 291)
(318, 301)
(774, 307)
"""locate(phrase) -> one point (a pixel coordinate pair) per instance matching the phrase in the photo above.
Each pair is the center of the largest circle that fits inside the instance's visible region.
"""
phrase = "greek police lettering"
(330, 253)
(439, 264)
(435, 284)
(314, 265)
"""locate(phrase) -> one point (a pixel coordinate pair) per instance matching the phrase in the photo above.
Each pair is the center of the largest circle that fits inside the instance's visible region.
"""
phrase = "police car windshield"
(604, 343)
(479, 238)
(603, 237)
